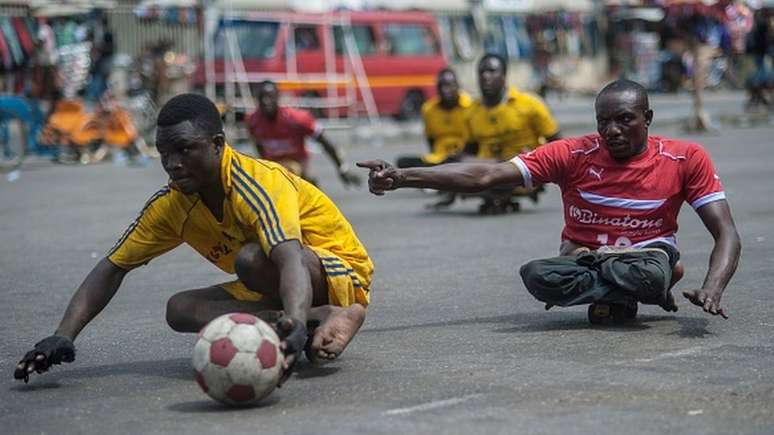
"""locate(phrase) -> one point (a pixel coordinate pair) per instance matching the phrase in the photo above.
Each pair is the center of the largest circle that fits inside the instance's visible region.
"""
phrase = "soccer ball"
(237, 359)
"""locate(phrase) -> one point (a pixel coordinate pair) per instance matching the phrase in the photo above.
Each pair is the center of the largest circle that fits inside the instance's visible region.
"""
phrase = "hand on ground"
(55, 349)
(708, 300)
(293, 336)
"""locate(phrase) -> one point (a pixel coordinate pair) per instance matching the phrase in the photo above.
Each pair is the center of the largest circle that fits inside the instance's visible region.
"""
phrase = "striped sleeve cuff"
(525, 174)
(706, 199)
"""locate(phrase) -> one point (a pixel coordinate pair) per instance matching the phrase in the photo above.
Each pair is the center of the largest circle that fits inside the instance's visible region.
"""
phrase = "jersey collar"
(511, 95)
(225, 167)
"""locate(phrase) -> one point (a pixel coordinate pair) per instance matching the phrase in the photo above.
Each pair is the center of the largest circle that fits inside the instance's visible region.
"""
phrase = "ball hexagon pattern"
(237, 360)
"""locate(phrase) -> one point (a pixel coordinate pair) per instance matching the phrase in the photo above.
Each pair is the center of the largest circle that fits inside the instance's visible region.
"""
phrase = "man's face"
(491, 77)
(267, 100)
(448, 88)
(190, 158)
(623, 123)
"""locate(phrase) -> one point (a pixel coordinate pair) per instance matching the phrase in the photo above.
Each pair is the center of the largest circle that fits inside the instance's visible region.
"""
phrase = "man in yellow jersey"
(290, 247)
(445, 129)
(503, 123)
(444, 120)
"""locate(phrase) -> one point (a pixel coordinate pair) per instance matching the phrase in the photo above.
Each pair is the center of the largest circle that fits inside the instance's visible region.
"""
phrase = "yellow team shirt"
(446, 128)
(521, 121)
(264, 203)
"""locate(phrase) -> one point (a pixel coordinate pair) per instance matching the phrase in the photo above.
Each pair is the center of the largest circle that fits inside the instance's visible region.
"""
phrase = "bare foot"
(335, 332)
(669, 304)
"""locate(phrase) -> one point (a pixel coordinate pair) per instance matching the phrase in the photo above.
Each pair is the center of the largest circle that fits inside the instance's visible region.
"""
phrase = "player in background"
(288, 244)
(280, 136)
(445, 129)
(444, 121)
(503, 123)
(622, 191)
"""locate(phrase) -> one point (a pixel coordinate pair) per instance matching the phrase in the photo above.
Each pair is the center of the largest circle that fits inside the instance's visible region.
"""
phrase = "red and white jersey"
(630, 203)
(284, 136)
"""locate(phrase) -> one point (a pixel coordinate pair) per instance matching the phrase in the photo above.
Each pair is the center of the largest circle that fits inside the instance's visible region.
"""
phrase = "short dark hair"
(197, 109)
(499, 58)
(446, 70)
(265, 83)
(623, 85)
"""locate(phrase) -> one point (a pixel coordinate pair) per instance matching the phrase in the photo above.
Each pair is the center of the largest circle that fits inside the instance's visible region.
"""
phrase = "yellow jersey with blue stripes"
(521, 121)
(264, 203)
(446, 128)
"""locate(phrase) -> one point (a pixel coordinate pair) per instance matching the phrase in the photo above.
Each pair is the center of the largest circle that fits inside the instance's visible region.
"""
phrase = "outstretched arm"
(92, 296)
(452, 177)
(345, 174)
(716, 216)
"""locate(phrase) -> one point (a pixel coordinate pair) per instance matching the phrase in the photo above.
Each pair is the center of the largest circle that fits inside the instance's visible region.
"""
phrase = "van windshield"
(256, 39)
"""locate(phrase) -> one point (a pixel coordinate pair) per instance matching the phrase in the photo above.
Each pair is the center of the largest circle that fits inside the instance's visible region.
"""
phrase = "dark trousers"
(643, 276)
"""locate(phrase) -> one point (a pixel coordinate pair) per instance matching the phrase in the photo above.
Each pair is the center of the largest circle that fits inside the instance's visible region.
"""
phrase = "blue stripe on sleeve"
(267, 218)
(264, 194)
(264, 227)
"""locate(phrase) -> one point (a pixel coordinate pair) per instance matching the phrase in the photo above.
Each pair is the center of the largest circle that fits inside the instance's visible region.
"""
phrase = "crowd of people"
(64, 93)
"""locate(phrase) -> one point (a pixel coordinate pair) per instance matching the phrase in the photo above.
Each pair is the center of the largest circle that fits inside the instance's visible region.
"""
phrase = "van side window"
(364, 39)
(410, 40)
(255, 39)
(306, 38)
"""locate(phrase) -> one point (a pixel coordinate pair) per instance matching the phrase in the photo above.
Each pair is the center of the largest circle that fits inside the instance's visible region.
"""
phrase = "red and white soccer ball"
(237, 359)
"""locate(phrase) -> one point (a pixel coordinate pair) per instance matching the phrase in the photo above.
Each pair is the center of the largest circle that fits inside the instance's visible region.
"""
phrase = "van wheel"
(411, 106)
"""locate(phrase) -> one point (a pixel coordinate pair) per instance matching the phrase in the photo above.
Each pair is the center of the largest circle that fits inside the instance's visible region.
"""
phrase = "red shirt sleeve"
(546, 164)
(252, 124)
(305, 123)
(702, 184)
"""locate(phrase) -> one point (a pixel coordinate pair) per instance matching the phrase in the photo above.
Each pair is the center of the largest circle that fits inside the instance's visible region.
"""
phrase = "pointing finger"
(371, 164)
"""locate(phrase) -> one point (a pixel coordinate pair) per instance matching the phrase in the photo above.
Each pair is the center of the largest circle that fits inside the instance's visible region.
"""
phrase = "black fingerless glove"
(294, 333)
(57, 349)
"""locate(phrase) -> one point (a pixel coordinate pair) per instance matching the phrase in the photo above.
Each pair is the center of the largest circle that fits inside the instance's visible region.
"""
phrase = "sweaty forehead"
(618, 101)
(447, 77)
(268, 90)
(490, 63)
(181, 133)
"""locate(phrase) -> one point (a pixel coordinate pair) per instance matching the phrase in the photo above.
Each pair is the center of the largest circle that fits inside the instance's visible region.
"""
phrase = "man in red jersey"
(622, 191)
(280, 135)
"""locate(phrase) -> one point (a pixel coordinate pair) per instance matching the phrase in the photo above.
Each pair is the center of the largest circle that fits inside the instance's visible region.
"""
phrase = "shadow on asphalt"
(174, 368)
(475, 320)
(690, 327)
(48, 385)
(203, 406)
(309, 371)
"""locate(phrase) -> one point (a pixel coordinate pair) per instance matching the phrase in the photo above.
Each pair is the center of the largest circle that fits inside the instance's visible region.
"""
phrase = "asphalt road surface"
(453, 343)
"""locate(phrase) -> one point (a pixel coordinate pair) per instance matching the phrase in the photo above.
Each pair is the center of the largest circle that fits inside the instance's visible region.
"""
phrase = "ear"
(648, 117)
(219, 140)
